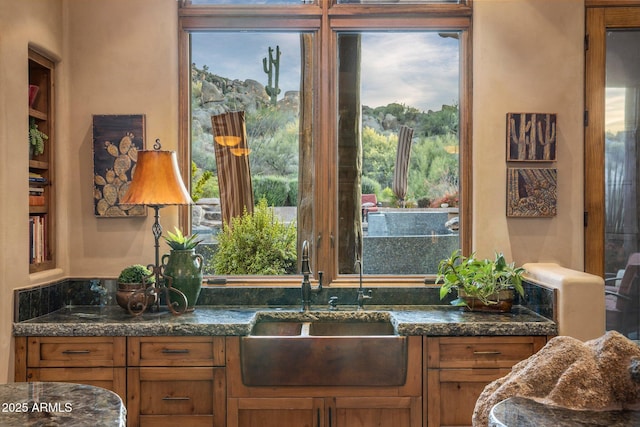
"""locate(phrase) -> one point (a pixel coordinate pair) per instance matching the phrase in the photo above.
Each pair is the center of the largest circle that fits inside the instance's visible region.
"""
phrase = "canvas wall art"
(531, 137)
(116, 142)
(532, 192)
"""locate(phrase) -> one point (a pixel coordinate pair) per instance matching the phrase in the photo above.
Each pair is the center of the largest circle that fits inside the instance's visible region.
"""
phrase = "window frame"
(325, 20)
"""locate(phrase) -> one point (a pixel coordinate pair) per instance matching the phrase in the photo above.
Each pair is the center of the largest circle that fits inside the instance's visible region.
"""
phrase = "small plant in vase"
(482, 284)
(183, 266)
(132, 281)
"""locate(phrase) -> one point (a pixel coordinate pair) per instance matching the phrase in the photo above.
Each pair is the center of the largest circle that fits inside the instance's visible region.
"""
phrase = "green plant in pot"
(183, 266)
(36, 139)
(132, 281)
(482, 284)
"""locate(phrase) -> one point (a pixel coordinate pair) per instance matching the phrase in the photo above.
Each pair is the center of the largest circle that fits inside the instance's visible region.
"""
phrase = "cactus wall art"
(531, 137)
(116, 142)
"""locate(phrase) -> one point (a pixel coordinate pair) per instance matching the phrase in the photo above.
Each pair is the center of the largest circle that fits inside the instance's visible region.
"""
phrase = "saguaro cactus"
(272, 69)
(549, 137)
(520, 137)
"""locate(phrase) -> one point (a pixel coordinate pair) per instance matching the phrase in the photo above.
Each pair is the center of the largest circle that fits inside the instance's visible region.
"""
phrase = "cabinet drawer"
(76, 351)
(481, 352)
(194, 395)
(176, 351)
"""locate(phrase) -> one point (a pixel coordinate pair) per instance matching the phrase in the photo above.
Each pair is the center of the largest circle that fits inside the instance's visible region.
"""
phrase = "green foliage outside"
(273, 136)
(275, 189)
(256, 243)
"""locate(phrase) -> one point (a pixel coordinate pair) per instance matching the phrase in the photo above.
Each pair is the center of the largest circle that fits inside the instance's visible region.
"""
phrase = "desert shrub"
(370, 186)
(273, 188)
(256, 243)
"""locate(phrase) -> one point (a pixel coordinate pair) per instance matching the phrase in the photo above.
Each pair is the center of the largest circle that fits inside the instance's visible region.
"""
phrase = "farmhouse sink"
(328, 352)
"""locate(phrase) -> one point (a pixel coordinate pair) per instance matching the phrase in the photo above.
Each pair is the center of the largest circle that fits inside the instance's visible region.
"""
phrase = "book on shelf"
(38, 241)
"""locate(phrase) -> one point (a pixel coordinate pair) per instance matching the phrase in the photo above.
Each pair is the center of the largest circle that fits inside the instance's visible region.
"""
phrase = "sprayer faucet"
(306, 285)
(361, 295)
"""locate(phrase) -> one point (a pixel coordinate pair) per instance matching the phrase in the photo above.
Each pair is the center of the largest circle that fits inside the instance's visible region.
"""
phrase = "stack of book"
(36, 189)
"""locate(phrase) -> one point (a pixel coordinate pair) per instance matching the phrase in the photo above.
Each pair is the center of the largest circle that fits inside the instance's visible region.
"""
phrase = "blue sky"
(419, 69)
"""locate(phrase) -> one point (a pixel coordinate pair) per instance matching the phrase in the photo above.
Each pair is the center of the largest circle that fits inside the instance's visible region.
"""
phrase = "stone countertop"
(435, 320)
(521, 412)
(59, 404)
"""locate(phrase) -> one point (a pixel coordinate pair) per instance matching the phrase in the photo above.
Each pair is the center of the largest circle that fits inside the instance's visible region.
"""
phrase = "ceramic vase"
(184, 267)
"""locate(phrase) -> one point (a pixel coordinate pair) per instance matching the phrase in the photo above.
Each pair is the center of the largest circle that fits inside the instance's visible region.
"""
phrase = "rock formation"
(601, 374)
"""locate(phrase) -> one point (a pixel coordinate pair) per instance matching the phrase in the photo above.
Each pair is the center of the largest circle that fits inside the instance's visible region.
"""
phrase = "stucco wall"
(528, 57)
(37, 22)
(120, 57)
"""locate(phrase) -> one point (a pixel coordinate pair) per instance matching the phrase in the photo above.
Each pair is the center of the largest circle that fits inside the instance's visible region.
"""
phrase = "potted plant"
(133, 280)
(36, 139)
(482, 284)
(183, 266)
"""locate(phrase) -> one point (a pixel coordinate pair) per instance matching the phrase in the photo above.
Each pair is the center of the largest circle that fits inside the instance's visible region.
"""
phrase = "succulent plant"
(177, 241)
(135, 273)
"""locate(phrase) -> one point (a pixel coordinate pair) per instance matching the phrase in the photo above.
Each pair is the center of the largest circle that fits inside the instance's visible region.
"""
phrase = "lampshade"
(156, 181)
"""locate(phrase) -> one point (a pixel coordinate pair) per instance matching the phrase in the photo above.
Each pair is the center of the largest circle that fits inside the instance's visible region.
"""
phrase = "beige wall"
(528, 57)
(120, 57)
(38, 22)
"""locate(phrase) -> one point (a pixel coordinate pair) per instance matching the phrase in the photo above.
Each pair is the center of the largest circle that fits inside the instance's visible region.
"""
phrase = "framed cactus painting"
(532, 192)
(531, 137)
(116, 142)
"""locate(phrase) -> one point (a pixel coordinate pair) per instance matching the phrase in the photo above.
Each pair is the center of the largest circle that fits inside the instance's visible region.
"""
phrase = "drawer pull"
(76, 351)
(170, 398)
(175, 351)
(486, 353)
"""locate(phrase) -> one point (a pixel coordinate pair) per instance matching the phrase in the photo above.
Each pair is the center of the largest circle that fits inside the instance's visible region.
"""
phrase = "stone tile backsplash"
(44, 299)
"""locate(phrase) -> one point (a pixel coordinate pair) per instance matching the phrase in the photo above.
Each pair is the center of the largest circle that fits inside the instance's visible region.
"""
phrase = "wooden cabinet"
(98, 361)
(399, 406)
(42, 236)
(328, 411)
(176, 381)
(459, 368)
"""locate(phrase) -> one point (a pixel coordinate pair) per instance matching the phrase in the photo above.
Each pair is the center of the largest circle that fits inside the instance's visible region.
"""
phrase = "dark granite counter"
(432, 320)
(521, 412)
(59, 404)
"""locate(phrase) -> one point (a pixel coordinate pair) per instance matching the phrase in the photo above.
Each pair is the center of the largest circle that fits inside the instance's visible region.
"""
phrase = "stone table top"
(522, 412)
(49, 404)
(437, 320)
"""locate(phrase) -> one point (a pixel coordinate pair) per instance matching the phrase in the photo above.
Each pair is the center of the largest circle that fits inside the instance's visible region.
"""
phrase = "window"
(326, 92)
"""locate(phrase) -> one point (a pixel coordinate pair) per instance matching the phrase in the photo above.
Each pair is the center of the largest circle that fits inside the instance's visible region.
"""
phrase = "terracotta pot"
(503, 302)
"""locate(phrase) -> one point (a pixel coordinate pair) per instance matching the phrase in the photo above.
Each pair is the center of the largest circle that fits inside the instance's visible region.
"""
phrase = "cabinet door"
(113, 379)
(452, 394)
(375, 411)
(276, 412)
(193, 396)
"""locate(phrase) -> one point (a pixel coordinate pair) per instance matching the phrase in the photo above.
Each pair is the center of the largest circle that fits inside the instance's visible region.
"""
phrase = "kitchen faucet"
(306, 272)
(361, 295)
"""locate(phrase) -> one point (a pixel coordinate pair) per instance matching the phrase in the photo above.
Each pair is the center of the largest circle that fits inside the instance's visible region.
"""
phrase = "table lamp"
(156, 182)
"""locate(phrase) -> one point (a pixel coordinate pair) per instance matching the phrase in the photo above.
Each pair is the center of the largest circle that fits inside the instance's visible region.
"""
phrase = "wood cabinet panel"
(275, 412)
(176, 351)
(481, 352)
(113, 379)
(459, 368)
(76, 351)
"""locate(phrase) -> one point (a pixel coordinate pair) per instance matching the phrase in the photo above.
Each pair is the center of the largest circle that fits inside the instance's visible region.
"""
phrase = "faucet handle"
(333, 303)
